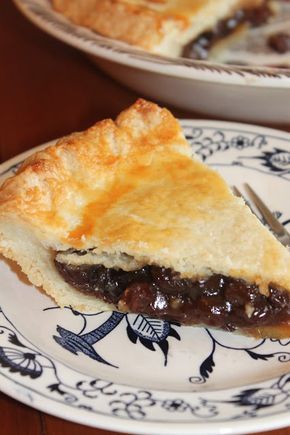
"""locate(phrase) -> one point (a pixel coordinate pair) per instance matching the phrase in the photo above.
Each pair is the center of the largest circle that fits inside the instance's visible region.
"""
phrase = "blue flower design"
(176, 405)
(240, 142)
(17, 360)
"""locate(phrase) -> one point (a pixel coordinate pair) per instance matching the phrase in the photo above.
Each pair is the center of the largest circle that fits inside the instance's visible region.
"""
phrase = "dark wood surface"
(48, 89)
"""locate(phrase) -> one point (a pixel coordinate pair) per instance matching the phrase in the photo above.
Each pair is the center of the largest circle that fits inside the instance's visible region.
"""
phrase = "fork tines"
(276, 227)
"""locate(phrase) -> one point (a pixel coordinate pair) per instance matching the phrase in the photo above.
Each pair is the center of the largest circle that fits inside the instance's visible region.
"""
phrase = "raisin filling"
(200, 47)
(217, 301)
(280, 42)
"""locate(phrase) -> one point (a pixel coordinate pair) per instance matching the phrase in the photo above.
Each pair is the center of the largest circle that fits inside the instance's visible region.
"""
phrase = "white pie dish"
(257, 94)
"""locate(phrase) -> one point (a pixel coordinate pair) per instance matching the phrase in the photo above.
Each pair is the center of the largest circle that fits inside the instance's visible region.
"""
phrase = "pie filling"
(200, 47)
(217, 301)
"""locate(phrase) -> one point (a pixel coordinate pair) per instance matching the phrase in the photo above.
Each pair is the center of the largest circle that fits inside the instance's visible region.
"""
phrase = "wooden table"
(48, 89)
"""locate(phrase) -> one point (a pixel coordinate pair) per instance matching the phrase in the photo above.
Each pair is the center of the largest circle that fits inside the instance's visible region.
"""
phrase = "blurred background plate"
(247, 93)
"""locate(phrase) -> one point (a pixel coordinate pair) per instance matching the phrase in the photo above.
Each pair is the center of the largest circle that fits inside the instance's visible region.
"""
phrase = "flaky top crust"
(132, 186)
(161, 26)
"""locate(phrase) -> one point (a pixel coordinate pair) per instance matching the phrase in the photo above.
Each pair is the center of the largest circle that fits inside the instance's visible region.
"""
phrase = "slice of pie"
(171, 27)
(123, 216)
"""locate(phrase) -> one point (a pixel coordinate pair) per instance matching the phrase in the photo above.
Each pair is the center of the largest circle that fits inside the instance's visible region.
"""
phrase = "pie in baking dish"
(123, 216)
(170, 27)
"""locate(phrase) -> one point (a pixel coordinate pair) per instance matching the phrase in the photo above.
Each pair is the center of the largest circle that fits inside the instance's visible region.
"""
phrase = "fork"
(277, 228)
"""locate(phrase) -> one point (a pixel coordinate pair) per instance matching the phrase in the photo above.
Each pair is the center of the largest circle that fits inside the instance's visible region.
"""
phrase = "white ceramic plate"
(139, 375)
(245, 93)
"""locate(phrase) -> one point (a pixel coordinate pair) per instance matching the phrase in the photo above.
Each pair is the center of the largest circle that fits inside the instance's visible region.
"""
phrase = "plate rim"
(153, 428)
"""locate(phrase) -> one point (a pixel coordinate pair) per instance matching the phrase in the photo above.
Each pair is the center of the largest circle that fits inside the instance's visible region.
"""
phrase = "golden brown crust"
(159, 26)
(131, 23)
(132, 187)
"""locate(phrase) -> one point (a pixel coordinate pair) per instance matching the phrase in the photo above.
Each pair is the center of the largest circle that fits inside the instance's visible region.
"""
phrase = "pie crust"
(132, 192)
(158, 26)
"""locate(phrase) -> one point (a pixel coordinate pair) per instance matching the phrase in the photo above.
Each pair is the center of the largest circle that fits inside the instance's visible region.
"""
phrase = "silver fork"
(277, 228)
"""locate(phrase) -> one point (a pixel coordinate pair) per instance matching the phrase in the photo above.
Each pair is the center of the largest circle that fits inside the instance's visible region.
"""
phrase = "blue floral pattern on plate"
(116, 370)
